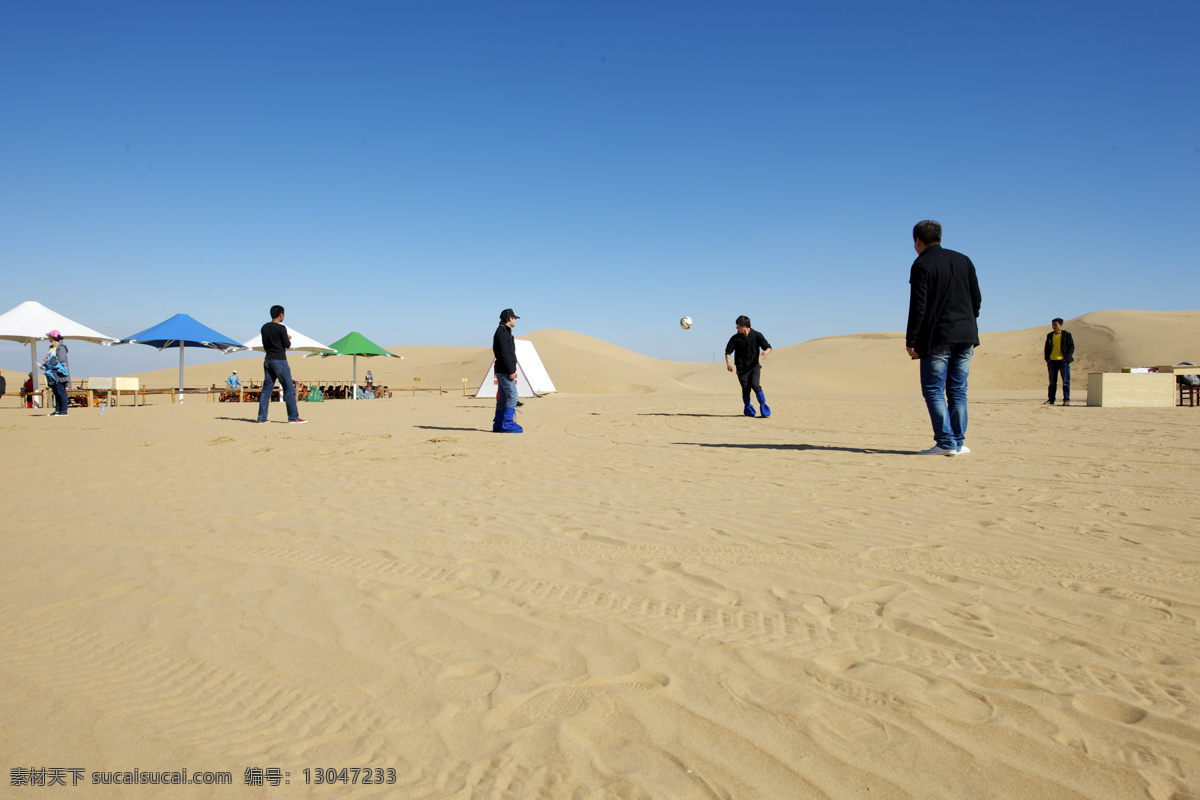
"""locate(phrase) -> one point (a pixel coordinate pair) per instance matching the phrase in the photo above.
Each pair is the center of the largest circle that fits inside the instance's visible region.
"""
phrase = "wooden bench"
(98, 390)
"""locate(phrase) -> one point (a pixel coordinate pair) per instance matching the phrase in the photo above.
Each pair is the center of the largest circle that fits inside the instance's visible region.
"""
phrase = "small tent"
(532, 378)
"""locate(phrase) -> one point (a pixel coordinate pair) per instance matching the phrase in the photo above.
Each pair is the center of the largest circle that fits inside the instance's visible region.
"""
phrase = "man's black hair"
(928, 231)
(743, 321)
(1058, 320)
(276, 311)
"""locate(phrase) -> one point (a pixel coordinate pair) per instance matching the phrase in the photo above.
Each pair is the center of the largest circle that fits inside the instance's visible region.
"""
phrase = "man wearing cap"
(58, 372)
(504, 348)
(235, 384)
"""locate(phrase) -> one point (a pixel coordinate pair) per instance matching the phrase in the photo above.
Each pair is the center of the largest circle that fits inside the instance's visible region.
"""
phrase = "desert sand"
(646, 595)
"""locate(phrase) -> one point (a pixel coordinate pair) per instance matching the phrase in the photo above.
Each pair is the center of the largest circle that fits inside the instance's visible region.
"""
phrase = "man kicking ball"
(745, 345)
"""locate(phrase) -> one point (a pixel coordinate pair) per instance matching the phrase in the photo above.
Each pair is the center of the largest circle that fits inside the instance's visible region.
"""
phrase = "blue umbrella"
(182, 331)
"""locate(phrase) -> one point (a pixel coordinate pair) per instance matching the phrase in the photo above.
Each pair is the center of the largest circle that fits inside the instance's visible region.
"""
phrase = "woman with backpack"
(58, 372)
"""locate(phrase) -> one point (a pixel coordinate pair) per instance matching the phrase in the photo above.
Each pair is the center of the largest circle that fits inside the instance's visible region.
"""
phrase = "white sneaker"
(962, 451)
(938, 450)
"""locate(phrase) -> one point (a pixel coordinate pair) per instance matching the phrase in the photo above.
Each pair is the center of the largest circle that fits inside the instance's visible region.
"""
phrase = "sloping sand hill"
(1105, 341)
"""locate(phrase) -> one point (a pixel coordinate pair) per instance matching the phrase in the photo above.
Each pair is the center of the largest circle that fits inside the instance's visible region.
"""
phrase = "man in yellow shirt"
(1060, 352)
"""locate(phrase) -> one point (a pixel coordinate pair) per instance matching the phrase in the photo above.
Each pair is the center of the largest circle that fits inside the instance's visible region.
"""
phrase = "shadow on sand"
(873, 451)
(664, 414)
(441, 428)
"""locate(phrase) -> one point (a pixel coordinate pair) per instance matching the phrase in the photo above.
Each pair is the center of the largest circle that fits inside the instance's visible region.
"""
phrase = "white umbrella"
(299, 342)
(31, 321)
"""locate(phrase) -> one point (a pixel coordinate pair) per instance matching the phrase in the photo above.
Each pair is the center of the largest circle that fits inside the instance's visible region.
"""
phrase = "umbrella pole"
(354, 388)
(181, 372)
(33, 367)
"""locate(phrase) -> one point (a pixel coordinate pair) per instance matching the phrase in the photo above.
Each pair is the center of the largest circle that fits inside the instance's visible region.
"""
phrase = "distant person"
(235, 384)
(504, 348)
(369, 379)
(58, 373)
(745, 346)
(28, 389)
(1060, 352)
(943, 308)
(276, 341)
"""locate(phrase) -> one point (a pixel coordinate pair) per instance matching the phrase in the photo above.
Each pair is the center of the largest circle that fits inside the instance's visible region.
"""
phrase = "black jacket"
(504, 348)
(1068, 346)
(943, 300)
(745, 349)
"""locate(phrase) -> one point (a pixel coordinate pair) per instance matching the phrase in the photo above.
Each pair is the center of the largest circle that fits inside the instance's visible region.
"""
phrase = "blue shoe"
(763, 408)
(509, 425)
(749, 410)
(498, 421)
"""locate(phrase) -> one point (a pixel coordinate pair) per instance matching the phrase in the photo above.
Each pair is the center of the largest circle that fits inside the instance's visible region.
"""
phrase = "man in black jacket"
(276, 341)
(1060, 352)
(504, 348)
(943, 306)
(745, 346)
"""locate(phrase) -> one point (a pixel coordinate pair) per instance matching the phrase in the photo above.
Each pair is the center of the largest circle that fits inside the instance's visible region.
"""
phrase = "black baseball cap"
(507, 313)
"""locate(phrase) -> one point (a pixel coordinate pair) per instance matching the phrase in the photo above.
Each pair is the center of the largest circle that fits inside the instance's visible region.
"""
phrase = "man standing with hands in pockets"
(1060, 352)
(504, 348)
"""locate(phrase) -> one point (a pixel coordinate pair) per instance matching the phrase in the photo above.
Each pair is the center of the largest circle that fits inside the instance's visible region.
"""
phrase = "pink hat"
(53, 335)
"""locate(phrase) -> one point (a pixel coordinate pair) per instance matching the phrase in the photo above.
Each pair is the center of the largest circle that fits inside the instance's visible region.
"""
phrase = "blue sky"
(409, 169)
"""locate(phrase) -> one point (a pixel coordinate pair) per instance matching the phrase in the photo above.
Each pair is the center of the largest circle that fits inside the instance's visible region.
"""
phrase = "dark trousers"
(749, 380)
(277, 369)
(1055, 368)
(60, 397)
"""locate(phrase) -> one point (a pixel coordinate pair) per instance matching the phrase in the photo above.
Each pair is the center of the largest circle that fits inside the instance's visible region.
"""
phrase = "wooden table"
(1131, 389)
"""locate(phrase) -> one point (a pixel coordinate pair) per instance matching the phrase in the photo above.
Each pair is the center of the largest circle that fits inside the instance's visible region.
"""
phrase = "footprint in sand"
(1109, 708)
(467, 681)
(556, 701)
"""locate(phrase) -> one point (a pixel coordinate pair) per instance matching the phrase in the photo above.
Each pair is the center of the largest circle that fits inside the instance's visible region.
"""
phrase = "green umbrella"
(355, 344)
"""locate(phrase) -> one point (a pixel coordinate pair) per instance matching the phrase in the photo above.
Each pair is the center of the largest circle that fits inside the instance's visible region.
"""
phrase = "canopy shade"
(299, 342)
(182, 331)
(355, 344)
(31, 321)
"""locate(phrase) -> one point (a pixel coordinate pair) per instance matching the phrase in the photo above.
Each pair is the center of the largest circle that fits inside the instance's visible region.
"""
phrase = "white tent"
(300, 342)
(31, 321)
(532, 378)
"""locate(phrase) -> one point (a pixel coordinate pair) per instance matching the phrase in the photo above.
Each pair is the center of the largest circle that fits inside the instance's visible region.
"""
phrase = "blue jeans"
(506, 393)
(60, 397)
(277, 370)
(1055, 368)
(944, 383)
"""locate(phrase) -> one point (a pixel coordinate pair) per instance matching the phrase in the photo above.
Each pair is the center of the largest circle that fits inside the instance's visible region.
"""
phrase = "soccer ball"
(685, 323)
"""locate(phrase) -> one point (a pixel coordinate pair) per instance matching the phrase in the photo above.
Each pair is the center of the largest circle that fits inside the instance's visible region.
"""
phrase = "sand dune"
(1105, 341)
(645, 595)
